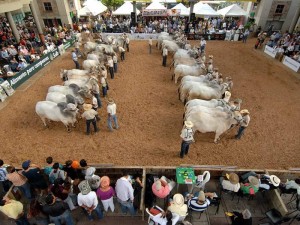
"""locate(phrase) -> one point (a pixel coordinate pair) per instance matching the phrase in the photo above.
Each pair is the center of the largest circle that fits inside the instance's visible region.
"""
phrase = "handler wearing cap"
(90, 116)
(243, 124)
(112, 111)
(187, 138)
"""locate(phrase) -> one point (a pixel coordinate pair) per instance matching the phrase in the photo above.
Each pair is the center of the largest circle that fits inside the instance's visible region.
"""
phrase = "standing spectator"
(110, 64)
(112, 111)
(57, 211)
(4, 183)
(88, 200)
(115, 60)
(18, 180)
(55, 173)
(90, 116)
(122, 52)
(105, 193)
(245, 35)
(124, 192)
(187, 138)
(72, 173)
(165, 55)
(127, 42)
(92, 178)
(243, 124)
(35, 178)
(14, 210)
(150, 45)
(96, 93)
(75, 59)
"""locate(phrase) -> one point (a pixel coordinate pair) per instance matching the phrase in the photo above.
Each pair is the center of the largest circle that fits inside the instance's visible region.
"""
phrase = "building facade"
(282, 15)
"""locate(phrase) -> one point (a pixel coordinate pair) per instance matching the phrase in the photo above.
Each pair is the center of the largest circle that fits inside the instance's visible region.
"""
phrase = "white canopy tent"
(184, 11)
(92, 7)
(201, 9)
(232, 10)
(155, 6)
(125, 9)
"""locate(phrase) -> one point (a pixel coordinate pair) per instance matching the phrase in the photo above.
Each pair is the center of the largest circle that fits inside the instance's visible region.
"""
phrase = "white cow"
(89, 64)
(72, 89)
(89, 46)
(184, 70)
(213, 103)
(58, 97)
(66, 113)
(206, 92)
(218, 122)
(93, 57)
(170, 45)
(82, 82)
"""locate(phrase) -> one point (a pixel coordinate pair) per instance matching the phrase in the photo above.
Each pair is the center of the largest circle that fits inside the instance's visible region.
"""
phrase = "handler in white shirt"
(111, 111)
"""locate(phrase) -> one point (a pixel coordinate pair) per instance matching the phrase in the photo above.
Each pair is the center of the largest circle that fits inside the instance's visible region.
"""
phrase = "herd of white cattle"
(63, 102)
(202, 89)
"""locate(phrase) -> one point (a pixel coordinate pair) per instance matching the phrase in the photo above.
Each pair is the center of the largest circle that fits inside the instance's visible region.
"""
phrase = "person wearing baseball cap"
(187, 134)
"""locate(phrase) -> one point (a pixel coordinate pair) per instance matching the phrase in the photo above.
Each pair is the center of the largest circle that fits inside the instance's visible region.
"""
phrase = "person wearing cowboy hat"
(187, 134)
(104, 85)
(127, 40)
(231, 183)
(90, 116)
(201, 202)
(122, 52)
(177, 205)
(112, 111)
(115, 60)
(96, 93)
(266, 181)
(110, 64)
(88, 200)
(250, 188)
(243, 123)
(162, 187)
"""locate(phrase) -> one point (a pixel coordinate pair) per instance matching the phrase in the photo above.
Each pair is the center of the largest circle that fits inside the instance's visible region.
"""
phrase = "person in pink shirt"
(162, 187)
(105, 193)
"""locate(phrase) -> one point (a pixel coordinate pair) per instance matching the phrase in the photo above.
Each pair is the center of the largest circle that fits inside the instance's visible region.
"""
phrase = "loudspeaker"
(193, 17)
(132, 16)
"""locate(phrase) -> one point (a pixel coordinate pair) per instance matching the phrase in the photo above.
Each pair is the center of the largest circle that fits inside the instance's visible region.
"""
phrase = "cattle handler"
(187, 138)
(243, 124)
(90, 116)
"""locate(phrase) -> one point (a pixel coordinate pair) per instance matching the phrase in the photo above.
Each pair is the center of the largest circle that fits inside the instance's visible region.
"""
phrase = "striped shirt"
(16, 179)
(2, 174)
(195, 206)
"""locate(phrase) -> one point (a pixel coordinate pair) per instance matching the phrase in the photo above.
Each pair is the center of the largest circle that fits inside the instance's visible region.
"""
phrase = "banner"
(7, 88)
(270, 51)
(54, 53)
(155, 12)
(30, 70)
(3, 95)
(69, 43)
(291, 63)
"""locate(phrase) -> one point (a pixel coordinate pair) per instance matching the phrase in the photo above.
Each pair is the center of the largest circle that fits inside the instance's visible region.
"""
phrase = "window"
(279, 9)
(48, 6)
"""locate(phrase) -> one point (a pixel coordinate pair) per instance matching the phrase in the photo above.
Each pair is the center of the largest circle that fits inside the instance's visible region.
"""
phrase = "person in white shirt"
(122, 51)
(88, 200)
(112, 111)
(96, 93)
(187, 138)
(90, 116)
(115, 60)
(150, 45)
(243, 124)
(127, 42)
(95, 106)
(110, 64)
(124, 192)
(231, 183)
(165, 54)
(104, 85)
(75, 59)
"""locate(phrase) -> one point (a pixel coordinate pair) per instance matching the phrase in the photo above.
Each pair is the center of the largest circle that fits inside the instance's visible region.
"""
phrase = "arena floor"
(150, 115)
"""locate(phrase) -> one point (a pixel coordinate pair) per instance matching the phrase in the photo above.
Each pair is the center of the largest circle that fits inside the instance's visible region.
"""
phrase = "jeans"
(115, 119)
(115, 67)
(76, 64)
(22, 220)
(122, 56)
(127, 46)
(164, 62)
(25, 188)
(125, 206)
(97, 96)
(184, 148)
(240, 132)
(88, 123)
(66, 216)
(98, 211)
(104, 91)
(111, 72)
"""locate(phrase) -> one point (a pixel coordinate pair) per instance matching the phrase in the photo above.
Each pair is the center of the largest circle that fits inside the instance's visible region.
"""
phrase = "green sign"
(185, 175)
(69, 43)
(54, 53)
(29, 71)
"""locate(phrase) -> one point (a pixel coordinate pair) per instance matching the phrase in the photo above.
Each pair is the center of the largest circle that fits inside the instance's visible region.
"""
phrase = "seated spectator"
(14, 65)
(105, 193)
(165, 217)
(12, 51)
(250, 188)
(265, 181)
(162, 187)
(25, 53)
(22, 65)
(232, 182)
(201, 202)
(4, 54)
(94, 180)
(14, 210)
(238, 218)
(177, 205)
(88, 200)
(292, 184)
(57, 210)
(56, 173)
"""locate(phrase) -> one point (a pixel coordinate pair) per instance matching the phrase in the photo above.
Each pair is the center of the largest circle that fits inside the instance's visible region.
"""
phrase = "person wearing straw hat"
(250, 188)
(110, 64)
(201, 202)
(88, 200)
(106, 193)
(231, 183)
(96, 93)
(187, 138)
(243, 123)
(90, 116)
(162, 187)
(112, 114)
(177, 205)
(266, 181)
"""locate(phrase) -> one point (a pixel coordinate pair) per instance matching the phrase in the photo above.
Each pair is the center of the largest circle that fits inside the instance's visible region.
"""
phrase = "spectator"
(177, 205)
(4, 183)
(201, 202)
(238, 218)
(231, 183)
(92, 178)
(56, 173)
(105, 193)
(162, 187)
